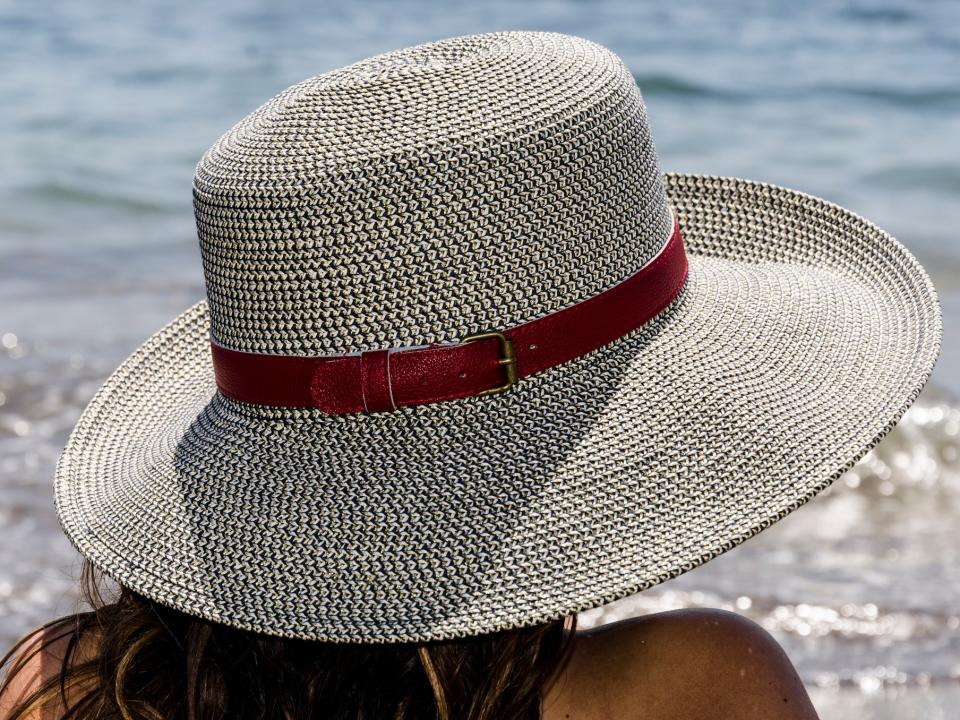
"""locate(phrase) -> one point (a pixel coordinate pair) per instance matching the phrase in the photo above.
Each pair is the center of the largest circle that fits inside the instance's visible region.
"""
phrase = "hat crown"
(427, 193)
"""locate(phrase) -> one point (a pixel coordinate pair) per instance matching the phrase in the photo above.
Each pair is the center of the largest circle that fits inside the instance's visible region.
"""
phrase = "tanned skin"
(679, 665)
(697, 664)
(37, 671)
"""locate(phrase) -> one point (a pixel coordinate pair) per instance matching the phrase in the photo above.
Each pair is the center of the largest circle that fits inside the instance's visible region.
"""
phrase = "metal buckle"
(507, 358)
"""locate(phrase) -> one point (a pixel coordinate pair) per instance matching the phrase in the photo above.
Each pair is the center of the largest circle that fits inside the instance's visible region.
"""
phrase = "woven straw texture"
(464, 185)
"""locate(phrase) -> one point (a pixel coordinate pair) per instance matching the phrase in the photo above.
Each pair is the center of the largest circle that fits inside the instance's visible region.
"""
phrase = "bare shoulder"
(41, 658)
(689, 664)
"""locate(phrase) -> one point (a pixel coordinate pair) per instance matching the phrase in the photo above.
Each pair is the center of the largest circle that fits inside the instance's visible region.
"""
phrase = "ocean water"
(107, 107)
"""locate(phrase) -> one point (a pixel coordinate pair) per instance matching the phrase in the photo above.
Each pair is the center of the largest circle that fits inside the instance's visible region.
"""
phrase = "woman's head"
(155, 662)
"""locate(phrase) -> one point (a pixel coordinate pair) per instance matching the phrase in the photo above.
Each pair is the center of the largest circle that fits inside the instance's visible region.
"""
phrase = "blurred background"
(105, 109)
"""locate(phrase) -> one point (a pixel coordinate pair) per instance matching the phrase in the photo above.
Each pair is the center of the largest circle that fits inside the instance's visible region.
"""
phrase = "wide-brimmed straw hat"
(470, 361)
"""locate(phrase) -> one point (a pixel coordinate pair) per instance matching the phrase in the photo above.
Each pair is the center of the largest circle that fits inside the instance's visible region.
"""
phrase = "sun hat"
(469, 360)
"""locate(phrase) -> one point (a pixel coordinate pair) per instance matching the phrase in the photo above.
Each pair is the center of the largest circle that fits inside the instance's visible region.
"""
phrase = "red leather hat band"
(487, 363)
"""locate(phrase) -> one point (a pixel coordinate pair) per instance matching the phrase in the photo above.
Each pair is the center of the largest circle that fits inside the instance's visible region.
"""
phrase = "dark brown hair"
(155, 663)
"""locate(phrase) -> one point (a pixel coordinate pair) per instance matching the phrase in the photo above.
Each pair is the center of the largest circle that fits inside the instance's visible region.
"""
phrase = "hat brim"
(802, 335)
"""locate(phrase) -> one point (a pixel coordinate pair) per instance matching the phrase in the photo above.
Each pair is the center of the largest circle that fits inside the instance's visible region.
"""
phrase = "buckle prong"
(508, 359)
